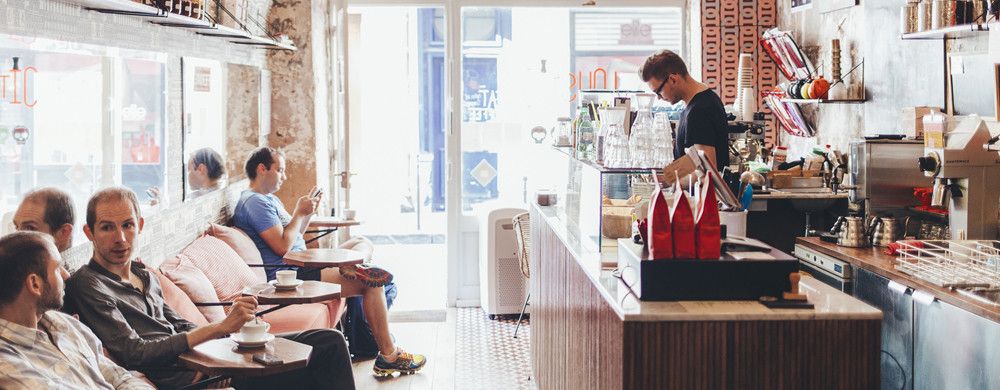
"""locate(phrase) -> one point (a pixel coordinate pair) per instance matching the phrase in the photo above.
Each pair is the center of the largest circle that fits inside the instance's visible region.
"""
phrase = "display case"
(601, 201)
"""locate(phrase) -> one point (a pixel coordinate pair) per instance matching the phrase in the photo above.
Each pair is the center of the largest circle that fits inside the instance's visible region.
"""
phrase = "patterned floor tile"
(488, 356)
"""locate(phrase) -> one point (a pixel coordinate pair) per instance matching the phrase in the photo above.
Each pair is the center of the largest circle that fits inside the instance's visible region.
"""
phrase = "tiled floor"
(487, 355)
(466, 351)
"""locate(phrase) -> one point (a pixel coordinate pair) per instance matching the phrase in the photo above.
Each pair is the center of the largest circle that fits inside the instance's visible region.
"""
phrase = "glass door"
(394, 146)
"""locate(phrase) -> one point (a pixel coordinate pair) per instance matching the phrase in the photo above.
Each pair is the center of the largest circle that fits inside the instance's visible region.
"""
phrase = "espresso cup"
(285, 277)
(349, 214)
(255, 330)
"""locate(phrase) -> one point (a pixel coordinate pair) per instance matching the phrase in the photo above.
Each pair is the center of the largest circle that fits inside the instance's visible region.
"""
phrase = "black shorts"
(309, 273)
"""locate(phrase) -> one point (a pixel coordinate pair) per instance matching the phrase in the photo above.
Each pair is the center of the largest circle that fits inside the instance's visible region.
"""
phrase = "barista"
(703, 122)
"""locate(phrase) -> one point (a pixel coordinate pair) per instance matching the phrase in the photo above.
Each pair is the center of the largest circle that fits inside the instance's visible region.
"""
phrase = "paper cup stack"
(745, 101)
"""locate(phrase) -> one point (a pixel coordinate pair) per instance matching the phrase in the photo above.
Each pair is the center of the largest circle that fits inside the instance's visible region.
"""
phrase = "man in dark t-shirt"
(703, 122)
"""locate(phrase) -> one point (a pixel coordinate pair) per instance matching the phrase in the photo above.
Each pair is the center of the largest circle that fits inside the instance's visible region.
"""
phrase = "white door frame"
(453, 88)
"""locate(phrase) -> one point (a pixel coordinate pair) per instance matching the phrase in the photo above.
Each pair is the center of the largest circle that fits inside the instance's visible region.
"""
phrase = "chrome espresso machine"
(965, 165)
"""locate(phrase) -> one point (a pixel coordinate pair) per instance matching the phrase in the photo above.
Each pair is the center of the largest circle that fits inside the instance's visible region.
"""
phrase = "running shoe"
(368, 274)
(405, 363)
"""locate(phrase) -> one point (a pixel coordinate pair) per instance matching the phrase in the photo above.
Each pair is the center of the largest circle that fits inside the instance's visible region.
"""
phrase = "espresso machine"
(965, 166)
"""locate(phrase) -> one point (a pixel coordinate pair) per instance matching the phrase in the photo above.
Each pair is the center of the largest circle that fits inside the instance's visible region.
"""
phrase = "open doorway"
(396, 140)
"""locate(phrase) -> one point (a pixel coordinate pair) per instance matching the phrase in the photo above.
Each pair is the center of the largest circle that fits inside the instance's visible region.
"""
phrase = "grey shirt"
(136, 326)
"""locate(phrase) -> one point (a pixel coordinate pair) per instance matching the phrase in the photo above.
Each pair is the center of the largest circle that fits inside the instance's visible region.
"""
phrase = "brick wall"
(731, 27)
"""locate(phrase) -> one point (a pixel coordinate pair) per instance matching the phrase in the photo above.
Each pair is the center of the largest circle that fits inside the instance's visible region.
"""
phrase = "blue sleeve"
(261, 214)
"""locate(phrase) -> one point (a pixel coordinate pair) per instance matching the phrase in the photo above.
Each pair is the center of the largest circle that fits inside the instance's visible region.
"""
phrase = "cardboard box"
(911, 120)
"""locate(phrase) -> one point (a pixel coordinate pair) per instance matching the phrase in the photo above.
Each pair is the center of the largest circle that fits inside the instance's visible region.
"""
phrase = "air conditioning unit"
(501, 285)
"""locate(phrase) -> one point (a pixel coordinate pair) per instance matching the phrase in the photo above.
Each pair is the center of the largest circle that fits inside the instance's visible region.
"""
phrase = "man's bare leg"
(374, 307)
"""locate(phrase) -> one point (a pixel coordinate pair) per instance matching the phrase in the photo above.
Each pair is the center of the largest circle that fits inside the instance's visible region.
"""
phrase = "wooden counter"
(589, 332)
(874, 260)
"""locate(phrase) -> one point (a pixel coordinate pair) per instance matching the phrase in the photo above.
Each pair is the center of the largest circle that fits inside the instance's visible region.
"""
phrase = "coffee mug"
(286, 277)
(349, 214)
(254, 330)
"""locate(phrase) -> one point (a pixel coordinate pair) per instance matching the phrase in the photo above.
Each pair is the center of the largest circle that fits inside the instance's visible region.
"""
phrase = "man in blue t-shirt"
(275, 232)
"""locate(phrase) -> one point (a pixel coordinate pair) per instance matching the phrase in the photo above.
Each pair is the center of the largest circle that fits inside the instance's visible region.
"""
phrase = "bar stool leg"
(520, 316)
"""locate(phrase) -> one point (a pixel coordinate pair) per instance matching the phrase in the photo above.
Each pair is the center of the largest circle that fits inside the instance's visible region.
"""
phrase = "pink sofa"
(214, 268)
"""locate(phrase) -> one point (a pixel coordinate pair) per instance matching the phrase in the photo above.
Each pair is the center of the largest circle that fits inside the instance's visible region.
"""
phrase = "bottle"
(616, 147)
(196, 9)
(663, 141)
(780, 157)
(585, 136)
(640, 142)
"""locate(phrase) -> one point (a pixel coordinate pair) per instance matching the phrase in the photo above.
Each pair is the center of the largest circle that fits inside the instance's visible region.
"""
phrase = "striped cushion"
(193, 282)
(224, 268)
(242, 244)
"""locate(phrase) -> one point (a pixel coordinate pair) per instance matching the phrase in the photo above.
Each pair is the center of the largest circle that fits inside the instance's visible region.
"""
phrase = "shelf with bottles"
(201, 22)
(951, 32)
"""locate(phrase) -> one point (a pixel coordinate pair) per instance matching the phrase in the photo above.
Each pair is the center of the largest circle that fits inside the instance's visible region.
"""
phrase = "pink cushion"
(222, 266)
(242, 244)
(178, 300)
(297, 318)
(193, 282)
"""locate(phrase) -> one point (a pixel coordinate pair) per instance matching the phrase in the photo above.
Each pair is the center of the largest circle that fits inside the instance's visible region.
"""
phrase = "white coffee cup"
(349, 214)
(255, 330)
(286, 277)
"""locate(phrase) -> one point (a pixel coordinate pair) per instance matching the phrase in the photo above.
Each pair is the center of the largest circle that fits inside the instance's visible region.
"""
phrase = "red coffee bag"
(683, 222)
(658, 235)
(708, 230)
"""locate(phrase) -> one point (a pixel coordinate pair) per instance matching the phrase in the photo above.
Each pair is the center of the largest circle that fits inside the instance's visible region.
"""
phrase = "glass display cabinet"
(602, 201)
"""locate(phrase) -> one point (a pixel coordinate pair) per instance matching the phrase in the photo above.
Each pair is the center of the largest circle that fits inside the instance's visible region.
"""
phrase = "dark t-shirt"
(703, 122)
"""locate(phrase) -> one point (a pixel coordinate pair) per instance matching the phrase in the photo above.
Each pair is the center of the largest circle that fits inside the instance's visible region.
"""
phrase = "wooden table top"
(324, 257)
(222, 357)
(310, 291)
(331, 222)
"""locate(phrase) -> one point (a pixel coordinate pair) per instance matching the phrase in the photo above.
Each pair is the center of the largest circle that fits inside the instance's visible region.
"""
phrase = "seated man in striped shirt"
(41, 348)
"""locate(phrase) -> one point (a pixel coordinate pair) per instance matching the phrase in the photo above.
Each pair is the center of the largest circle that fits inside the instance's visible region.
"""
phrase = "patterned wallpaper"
(731, 27)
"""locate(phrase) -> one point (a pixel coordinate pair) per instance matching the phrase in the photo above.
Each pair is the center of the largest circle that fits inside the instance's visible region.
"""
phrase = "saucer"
(238, 338)
(292, 286)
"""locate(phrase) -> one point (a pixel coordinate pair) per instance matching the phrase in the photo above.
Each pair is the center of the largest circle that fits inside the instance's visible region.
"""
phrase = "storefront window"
(80, 118)
(517, 86)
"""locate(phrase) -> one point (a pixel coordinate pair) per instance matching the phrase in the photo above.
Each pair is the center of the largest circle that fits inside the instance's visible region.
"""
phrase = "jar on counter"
(943, 13)
(924, 15)
(909, 19)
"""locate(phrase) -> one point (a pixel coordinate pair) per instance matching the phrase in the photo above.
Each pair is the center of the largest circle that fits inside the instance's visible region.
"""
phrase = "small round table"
(324, 258)
(322, 226)
(310, 291)
(223, 358)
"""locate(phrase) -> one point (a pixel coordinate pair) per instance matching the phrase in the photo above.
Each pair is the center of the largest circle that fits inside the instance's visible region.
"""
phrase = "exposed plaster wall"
(299, 121)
